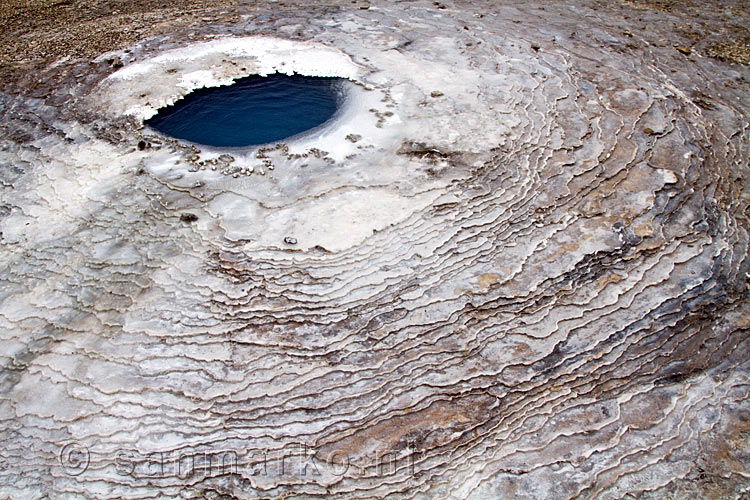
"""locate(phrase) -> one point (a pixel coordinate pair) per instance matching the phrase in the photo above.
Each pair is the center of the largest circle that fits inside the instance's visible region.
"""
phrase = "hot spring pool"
(254, 110)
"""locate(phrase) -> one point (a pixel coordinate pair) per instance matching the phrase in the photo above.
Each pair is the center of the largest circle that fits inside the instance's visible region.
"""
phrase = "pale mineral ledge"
(526, 278)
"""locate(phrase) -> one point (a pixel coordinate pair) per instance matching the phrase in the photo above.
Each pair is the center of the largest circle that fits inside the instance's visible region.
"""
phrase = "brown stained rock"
(420, 431)
(531, 283)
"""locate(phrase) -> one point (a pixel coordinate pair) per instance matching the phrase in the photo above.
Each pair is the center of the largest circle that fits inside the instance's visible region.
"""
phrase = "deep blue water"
(254, 110)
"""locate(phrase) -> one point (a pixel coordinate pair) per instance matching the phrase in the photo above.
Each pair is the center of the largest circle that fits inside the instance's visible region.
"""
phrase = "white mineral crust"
(520, 271)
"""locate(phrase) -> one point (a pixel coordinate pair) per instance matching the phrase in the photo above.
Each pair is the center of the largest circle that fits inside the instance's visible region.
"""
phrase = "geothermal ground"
(513, 266)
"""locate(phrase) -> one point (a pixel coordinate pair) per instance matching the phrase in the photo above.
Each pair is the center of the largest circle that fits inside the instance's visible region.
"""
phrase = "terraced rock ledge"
(515, 266)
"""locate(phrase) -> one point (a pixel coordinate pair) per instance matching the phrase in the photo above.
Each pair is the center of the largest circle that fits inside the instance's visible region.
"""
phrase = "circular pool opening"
(252, 111)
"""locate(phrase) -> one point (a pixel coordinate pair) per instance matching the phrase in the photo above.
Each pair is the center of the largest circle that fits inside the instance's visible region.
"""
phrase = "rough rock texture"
(519, 270)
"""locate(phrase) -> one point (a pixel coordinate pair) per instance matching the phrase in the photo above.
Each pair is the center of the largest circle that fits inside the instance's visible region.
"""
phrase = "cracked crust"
(527, 277)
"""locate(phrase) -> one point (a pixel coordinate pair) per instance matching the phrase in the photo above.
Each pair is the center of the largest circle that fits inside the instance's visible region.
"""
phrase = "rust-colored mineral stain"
(366, 445)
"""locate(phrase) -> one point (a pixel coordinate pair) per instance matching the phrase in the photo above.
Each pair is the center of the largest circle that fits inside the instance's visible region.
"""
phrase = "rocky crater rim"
(318, 188)
(140, 89)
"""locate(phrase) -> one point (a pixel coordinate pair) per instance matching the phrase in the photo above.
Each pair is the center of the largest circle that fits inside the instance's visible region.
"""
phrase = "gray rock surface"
(526, 278)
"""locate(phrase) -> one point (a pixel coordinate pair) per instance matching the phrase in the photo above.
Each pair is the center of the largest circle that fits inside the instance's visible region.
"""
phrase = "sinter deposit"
(513, 266)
